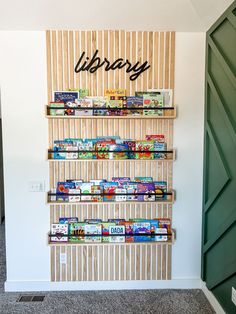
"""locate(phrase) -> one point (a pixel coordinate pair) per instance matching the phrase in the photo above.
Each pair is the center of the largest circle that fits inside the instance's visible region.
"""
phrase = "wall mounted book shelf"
(170, 155)
(111, 261)
(170, 197)
(169, 113)
(150, 239)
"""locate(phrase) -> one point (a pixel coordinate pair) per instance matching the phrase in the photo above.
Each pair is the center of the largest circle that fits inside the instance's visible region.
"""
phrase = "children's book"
(129, 227)
(117, 239)
(105, 227)
(65, 96)
(93, 221)
(96, 189)
(115, 92)
(132, 189)
(142, 228)
(160, 187)
(56, 112)
(160, 138)
(147, 189)
(117, 230)
(143, 179)
(86, 188)
(92, 229)
(167, 96)
(120, 198)
(77, 229)
(121, 180)
(65, 187)
(59, 230)
(109, 188)
(120, 151)
(67, 220)
(144, 148)
(153, 100)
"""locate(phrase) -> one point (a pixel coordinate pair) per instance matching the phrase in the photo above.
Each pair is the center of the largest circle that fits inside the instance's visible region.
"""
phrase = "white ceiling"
(178, 15)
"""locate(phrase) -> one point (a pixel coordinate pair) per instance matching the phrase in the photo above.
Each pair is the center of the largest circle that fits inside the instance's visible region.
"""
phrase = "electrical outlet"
(63, 258)
(233, 295)
(36, 186)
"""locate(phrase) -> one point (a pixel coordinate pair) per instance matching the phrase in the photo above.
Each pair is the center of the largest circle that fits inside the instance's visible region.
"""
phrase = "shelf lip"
(111, 117)
(109, 243)
(109, 160)
(104, 203)
(170, 242)
(81, 203)
(172, 116)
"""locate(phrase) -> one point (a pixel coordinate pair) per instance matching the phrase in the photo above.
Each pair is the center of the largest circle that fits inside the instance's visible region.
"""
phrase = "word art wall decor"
(95, 63)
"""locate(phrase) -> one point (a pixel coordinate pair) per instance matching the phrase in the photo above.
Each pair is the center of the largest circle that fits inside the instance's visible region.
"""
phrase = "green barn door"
(219, 203)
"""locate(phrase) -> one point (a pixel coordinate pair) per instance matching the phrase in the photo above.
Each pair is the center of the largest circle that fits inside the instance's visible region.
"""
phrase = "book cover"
(92, 229)
(129, 227)
(121, 180)
(160, 146)
(93, 221)
(146, 147)
(151, 99)
(56, 112)
(96, 189)
(160, 138)
(115, 103)
(146, 188)
(105, 227)
(65, 187)
(86, 188)
(117, 230)
(59, 230)
(135, 102)
(115, 92)
(120, 198)
(143, 179)
(65, 96)
(77, 228)
(160, 187)
(167, 96)
(117, 239)
(101, 147)
(99, 101)
(120, 151)
(67, 220)
(142, 227)
(132, 189)
(109, 188)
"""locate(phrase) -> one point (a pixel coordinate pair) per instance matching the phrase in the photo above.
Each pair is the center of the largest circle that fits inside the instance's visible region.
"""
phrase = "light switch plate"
(36, 186)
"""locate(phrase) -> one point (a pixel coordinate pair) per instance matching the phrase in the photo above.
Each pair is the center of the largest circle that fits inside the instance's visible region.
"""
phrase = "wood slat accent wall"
(113, 261)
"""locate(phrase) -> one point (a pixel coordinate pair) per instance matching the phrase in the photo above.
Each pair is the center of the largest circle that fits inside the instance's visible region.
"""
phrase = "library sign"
(93, 64)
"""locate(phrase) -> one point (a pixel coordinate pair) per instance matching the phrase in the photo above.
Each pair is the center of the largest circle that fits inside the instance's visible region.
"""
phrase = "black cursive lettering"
(96, 63)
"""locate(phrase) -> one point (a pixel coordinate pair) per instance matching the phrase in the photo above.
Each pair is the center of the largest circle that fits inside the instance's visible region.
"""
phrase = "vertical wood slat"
(113, 262)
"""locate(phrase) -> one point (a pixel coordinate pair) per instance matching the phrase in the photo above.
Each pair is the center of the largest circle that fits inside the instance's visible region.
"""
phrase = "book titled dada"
(116, 230)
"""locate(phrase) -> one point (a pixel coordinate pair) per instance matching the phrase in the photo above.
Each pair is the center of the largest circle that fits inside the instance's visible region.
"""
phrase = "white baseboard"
(212, 299)
(20, 286)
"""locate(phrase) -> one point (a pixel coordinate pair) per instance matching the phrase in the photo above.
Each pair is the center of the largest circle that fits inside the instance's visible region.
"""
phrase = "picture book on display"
(113, 230)
(115, 102)
(120, 189)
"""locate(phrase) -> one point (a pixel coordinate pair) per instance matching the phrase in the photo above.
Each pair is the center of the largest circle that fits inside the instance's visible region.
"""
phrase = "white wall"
(188, 139)
(23, 85)
(23, 92)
